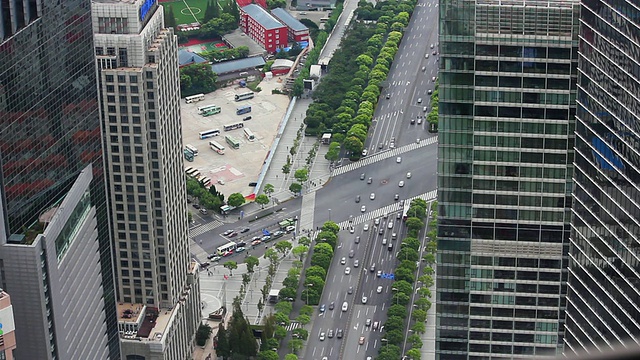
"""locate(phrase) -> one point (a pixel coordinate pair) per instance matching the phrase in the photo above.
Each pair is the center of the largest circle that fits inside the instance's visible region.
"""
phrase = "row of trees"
(212, 199)
(432, 117)
(196, 79)
(397, 314)
(215, 56)
(316, 274)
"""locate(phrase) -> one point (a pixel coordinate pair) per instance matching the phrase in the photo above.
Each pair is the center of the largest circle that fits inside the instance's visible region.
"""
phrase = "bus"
(233, 126)
(243, 110)
(193, 172)
(249, 134)
(215, 146)
(232, 142)
(227, 247)
(209, 133)
(193, 149)
(244, 96)
(211, 111)
(205, 181)
(201, 109)
(188, 155)
(324, 20)
(405, 212)
(194, 98)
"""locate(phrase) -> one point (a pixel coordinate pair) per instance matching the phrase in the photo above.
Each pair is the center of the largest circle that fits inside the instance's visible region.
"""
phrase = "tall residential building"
(7, 327)
(603, 300)
(55, 247)
(508, 72)
(157, 285)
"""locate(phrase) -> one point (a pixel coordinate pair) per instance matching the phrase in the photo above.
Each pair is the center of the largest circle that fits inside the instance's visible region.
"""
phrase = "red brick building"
(297, 31)
(262, 27)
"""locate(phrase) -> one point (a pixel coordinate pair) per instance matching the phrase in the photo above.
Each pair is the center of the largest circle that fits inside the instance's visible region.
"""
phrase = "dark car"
(339, 334)
(246, 118)
(332, 305)
(197, 206)
(241, 244)
(322, 308)
(245, 230)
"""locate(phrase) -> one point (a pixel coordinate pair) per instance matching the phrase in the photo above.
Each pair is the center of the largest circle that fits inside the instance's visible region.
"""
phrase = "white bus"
(188, 170)
(324, 20)
(193, 149)
(193, 172)
(224, 248)
(249, 134)
(209, 133)
(194, 98)
(215, 146)
(202, 109)
(244, 96)
(205, 181)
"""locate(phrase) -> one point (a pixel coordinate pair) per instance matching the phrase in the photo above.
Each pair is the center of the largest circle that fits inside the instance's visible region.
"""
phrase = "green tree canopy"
(295, 188)
(251, 262)
(316, 271)
(262, 199)
(235, 200)
(331, 226)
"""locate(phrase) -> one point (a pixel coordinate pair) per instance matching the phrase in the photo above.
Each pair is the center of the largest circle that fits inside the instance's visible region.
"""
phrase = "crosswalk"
(383, 155)
(293, 325)
(199, 230)
(393, 208)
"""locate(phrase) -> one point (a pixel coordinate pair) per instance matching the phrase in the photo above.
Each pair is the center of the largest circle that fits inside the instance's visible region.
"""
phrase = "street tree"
(419, 315)
(400, 298)
(281, 319)
(327, 237)
(397, 310)
(235, 199)
(331, 226)
(251, 262)
(407, 253)
(304, 241)
(262, 200)
(303, 319)
(412, 243)
(316, 281)
(323, 248)
(394, 322)
(300, 251)
(413, 223)
(306, 310)
(413, 354)
(301, 175)
(333, 154)
(291, 356)
(284, 307)
(316, 271)
(403, 287)
(295, 188)
(414, 339)
(287, 293)
(268, 189)
(295, 345)
(394, 337)
(222, 346)
(283, 246)
(268, 354)
(322, 260)
(419, 328)
(231, 265)
(429, 258)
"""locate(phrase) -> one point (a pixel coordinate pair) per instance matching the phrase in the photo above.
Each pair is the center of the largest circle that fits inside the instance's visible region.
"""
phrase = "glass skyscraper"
(508, 72)
(49, 133)
(603, 301)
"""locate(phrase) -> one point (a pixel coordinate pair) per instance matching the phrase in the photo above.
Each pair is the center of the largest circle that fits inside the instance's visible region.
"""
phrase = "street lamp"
(308, 286)
(395, 290)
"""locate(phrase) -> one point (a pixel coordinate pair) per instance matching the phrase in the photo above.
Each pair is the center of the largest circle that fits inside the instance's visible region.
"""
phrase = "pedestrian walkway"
(368, 160)
(395, 207)
(199, 230)
(428, 351)
(293, 325)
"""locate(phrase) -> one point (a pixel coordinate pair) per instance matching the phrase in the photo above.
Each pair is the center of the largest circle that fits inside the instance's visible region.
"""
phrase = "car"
(376, 325)
(398, 160)
(362, 176)
(241, 244)
(435, 52)
(256, 242)
(364, 299)
(350, 290)
(402, 202)
(227, 233)
(345, 306)
(204, 211)
(372, 196)
(388, 96)
(430, 92)
(240, 249)
(216, 258)
(368, 322)
(432, 46)
(205, 265)
(433, 79)
(332, 305)
(233, 234)
(197, 206)
(369, 180)
(376, 222)
(278, 234)
(396, 197)
(322, 336)
(322, 308)
(357, 199)
(324, 357)
(352, 253)
(227, 253)
(356, 263)
(392, 145)
(366, 227)
(381, 230)
(363, 208)
(339, 334)
(290, 228)
(304, 13)
(401, 183)
(394, 236)
(398, 215)
(390, 247)
(426, 56)
(347, 270)
(343, 261)
(245, 230)
(372, 268)
(413, 121)
(266, 238)
(330, 334)
(361, 340)
(386, 215)
(380, 146)
(246, 118)
(352, 230)
(384, 241)
(364, 152)
(419, 100)
(379, 273)
(390, 226)
(419, 122)
(357, 240)
(424, 68)
(379, 290)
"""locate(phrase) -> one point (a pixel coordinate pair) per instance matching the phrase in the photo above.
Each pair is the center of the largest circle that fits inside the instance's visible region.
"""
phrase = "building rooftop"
(137, 321)
(262, 16)
(187, 58)
(237, 65)
(288, 20)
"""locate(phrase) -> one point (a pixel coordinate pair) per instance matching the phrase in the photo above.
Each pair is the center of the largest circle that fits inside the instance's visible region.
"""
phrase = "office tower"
(603, 300)
(8, 327)
(507, 103)
(157, 286)
(55, 262)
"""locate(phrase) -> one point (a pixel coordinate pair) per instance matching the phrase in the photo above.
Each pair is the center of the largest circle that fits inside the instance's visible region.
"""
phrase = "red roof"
(243, 3)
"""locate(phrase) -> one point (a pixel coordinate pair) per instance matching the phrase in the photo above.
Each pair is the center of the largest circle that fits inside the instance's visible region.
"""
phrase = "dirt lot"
(236, 168)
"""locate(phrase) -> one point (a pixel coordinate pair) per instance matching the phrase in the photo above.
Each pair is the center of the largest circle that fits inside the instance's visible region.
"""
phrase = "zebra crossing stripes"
(428, 196)
(383, 155)
(395, 207)
(199, 230)
(293, 325)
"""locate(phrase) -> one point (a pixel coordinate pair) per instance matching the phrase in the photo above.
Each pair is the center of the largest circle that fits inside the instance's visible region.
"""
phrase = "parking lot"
(237, 167)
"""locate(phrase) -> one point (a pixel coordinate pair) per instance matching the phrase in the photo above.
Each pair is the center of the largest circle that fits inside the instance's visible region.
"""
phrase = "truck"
(286, 222)
(273, 295)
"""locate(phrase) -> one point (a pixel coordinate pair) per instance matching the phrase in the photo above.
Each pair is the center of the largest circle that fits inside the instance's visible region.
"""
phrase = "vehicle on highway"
(419, 121)
(396, 197)
(388, 96)
(368, 322)
(322, 335)
(372, 268)
(394, 236)
(197, 206)
(381, 230)
(352, 253)
(390, 247)
(241, 249)
(352, 230)
(390, 226)
(364, 299)
(424, 68)
(332, 305)
(330, 334)
(365, 152)
(278, 234)
(356, 263)
(227, 233)
(401, 183)
(384, 241)
(322, 308)
(376, 325)
(345, 306)
(369, 180)
(376, 222)
(266, 238)
(343, 261)
(362, 176)
(398, 159)
(380, 146)
(435, 52)
(430, 92)
(361, 340)
(372, 196)
(409, 175)
(347, 270)
(241, 244)
(204, 211)
(357, 199)
(214, 257)
(379, 273)
(245, 230)
(426, 56)
(363, 208)
(432, 46)
(233, 234)
(227, 253)
(424, 109)
(366, 227)
(290, 228)
(379, 290)
(357, 240)
(398, 216)
(433, 79)
(413, 121)
(256, 242)
(419, 100)
(339, 334)
(350, 290)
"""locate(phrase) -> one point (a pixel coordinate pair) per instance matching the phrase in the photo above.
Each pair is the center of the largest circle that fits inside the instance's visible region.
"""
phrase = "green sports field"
(189, 11)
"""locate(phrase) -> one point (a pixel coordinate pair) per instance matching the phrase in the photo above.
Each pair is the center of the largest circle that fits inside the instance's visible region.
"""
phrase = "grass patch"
(182, 13)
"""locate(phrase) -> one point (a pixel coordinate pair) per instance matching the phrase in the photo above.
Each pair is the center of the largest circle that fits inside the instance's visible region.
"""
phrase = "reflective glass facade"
(50, 121)
(508, 72)
(603, 301)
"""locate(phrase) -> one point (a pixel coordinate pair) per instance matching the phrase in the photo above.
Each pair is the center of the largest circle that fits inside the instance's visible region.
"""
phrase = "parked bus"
(211, 111)
(233, 126)
(205, 181)
(405, 212)
(244, 96)
(188, 155)
(193, 172)
(209, 133)
(232, 142)
(243, 110)
(215, 146)
(227, 247)
(201, 109)
(188, 170)
(193, 149)
(194, 98)
(324, 20)
(249, 134)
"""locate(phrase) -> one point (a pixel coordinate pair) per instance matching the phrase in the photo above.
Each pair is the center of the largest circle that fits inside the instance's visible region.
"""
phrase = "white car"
(379, 290)
(290, 228)
(432, 46)
(343, 261)
(356, 263)
(352, 230)
(364, 299)
(408, 175)
(347, 270)
(384, 241)
(366, 227)
(322, 336)
(363, 208)
(372, 196)
(390, 226)
(401, 184)
(398, 159)
(376, 222)
(365, 152)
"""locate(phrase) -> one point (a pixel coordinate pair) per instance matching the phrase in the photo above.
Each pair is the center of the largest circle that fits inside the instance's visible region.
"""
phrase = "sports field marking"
(189, 8)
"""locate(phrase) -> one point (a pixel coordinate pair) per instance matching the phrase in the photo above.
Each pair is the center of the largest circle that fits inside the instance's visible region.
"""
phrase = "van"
(345, 306)
(390, 247)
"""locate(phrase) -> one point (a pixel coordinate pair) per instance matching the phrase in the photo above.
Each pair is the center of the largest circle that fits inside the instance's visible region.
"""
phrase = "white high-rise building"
(156, 282)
